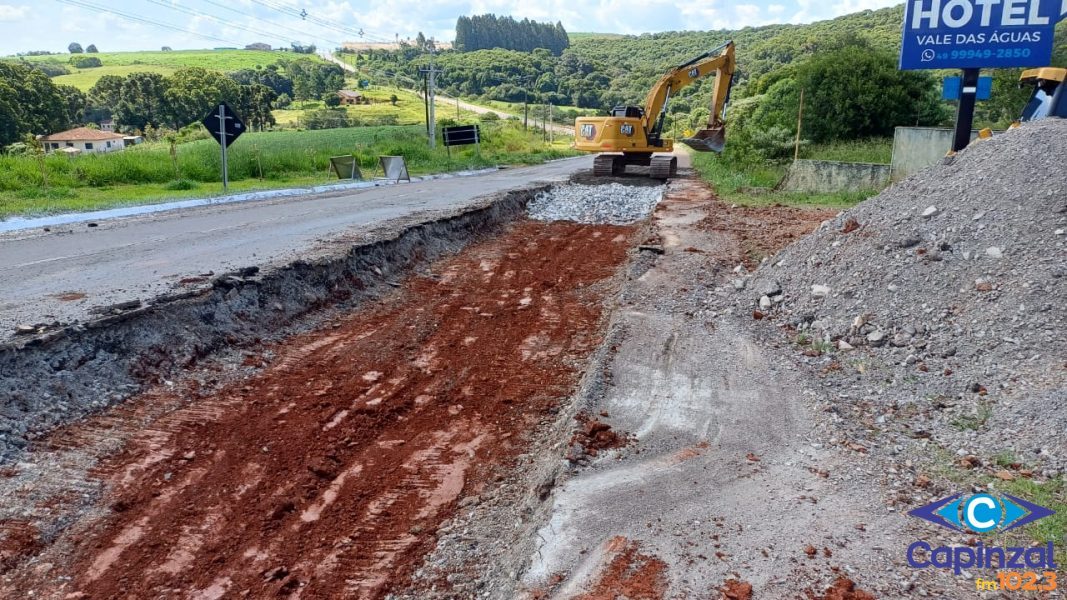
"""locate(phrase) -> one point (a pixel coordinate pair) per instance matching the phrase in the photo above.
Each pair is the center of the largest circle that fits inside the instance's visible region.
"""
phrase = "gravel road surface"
(59, 275)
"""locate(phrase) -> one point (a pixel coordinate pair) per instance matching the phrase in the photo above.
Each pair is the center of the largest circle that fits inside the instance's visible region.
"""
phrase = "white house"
(84, 139)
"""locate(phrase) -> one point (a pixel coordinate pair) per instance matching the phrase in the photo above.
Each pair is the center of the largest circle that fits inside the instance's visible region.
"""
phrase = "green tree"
(192, 92)
(91, 49)
(75, 48)
(331, 100)
(29, 103)
(142, 102)
(86, 62)
(255, 104)
(76, 103)
(855, 92)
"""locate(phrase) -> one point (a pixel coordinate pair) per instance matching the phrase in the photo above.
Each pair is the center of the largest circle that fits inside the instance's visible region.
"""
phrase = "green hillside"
(164, 63)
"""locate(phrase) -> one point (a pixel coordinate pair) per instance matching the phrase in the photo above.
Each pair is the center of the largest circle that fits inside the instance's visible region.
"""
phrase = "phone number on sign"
(999, 53)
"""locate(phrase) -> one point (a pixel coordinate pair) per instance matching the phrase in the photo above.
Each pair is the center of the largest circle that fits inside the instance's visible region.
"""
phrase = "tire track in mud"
(328, 473)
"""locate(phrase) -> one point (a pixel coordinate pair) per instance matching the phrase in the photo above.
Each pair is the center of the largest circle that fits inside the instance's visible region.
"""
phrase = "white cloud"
(9, 13)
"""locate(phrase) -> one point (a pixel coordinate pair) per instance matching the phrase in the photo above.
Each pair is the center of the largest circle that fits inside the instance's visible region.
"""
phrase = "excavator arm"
(720, 62)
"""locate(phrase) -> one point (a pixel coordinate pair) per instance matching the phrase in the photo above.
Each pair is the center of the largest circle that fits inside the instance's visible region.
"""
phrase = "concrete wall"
(915, 148)
(826, 176)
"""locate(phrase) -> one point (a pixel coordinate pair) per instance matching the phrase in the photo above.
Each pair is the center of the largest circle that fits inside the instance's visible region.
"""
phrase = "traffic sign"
(225, 126)
(972, 34)
(231, 126)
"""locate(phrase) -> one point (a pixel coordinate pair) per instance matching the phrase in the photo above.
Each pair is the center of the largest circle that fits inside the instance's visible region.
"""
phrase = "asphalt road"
(60, 274)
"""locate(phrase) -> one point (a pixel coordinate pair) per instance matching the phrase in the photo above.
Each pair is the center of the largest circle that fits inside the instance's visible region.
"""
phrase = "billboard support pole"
(965, 110)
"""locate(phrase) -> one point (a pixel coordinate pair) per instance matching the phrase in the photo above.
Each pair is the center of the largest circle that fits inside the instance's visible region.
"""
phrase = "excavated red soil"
(843, 588)
(629, 574)
(593, 436)
(764, 230)
(734, 589)
(327, 474)
(18, 540)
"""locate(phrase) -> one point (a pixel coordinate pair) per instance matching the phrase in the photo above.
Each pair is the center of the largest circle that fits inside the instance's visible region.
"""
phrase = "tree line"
(32, 104)
(482, 32)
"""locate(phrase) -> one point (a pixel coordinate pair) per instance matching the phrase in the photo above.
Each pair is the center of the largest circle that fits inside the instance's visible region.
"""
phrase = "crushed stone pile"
(610, 204)
(942, 302)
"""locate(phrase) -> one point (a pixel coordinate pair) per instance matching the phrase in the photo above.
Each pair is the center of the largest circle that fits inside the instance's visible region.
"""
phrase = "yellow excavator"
(1049, 98)
(632, 135)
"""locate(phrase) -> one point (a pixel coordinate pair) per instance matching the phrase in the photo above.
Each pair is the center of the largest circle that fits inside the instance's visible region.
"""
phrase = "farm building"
(84, 139)
(348, 97)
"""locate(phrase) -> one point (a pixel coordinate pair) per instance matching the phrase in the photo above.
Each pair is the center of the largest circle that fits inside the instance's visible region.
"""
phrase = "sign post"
(225, 126)
(974, 34)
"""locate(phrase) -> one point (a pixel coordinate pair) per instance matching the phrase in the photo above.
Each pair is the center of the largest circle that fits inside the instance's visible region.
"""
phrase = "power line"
(305, 16)
(101, 9)
(301, 33)
(225, 23)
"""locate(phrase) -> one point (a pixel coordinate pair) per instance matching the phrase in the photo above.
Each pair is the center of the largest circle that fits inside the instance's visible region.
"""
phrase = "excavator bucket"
(707, 140)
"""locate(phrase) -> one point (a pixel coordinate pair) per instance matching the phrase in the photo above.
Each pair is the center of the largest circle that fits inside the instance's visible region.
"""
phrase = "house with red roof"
(83, 139)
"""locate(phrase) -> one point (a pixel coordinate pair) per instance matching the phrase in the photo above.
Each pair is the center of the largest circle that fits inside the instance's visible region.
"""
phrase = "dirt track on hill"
(327, 473)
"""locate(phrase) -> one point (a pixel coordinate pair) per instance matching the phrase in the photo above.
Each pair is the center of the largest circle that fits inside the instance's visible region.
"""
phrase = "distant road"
(474, 108)
(58, 275)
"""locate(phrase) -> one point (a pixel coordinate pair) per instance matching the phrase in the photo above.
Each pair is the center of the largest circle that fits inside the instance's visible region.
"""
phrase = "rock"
(982, 285)
(770, 289)
(764, 303)
(844, 346)
(978, 216)
(994, 252)
(820, 291)
(931, 211)
(25, 330)
(876, 337)
(1005, 475)
(739, 284)
(900, 340)
(1060, 232)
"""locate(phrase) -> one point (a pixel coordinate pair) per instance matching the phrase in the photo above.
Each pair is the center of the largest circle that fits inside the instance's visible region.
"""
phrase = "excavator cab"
(1048, 97)
(628, 112)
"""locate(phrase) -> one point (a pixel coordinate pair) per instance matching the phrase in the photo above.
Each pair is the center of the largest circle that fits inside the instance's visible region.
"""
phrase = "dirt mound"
(941, 301)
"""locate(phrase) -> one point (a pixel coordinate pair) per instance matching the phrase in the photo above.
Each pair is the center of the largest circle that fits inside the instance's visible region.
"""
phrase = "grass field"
(873, 150)
(750, 185)
(147, 174)
(409, 109)
(124, 63)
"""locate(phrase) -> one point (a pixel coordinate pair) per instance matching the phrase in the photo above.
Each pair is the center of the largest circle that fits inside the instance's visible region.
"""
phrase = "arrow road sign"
(232, 127)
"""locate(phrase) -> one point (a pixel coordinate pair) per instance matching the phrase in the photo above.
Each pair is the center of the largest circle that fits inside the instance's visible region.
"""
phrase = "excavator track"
(663, 167)
(607, 165)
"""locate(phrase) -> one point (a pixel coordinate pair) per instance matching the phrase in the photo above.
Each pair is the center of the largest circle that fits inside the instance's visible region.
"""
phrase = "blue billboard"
(971, 34)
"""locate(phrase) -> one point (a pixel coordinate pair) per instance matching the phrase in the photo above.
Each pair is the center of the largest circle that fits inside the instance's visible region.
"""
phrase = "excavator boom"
(720, 62)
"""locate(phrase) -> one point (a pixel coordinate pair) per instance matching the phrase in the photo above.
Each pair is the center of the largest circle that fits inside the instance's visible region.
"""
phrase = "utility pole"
(800, 121)
(551, 123)
(525, 102)
(426, 101)
(431, 82)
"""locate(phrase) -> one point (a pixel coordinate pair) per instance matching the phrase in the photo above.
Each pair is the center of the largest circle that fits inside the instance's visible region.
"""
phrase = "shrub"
(86, 62)
(180, 185)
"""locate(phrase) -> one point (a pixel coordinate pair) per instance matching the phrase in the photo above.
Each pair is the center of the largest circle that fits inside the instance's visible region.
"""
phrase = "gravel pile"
(610, 204)
(939, 307)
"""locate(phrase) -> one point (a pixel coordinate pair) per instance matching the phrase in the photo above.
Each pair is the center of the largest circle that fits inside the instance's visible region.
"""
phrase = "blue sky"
(52, 24)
